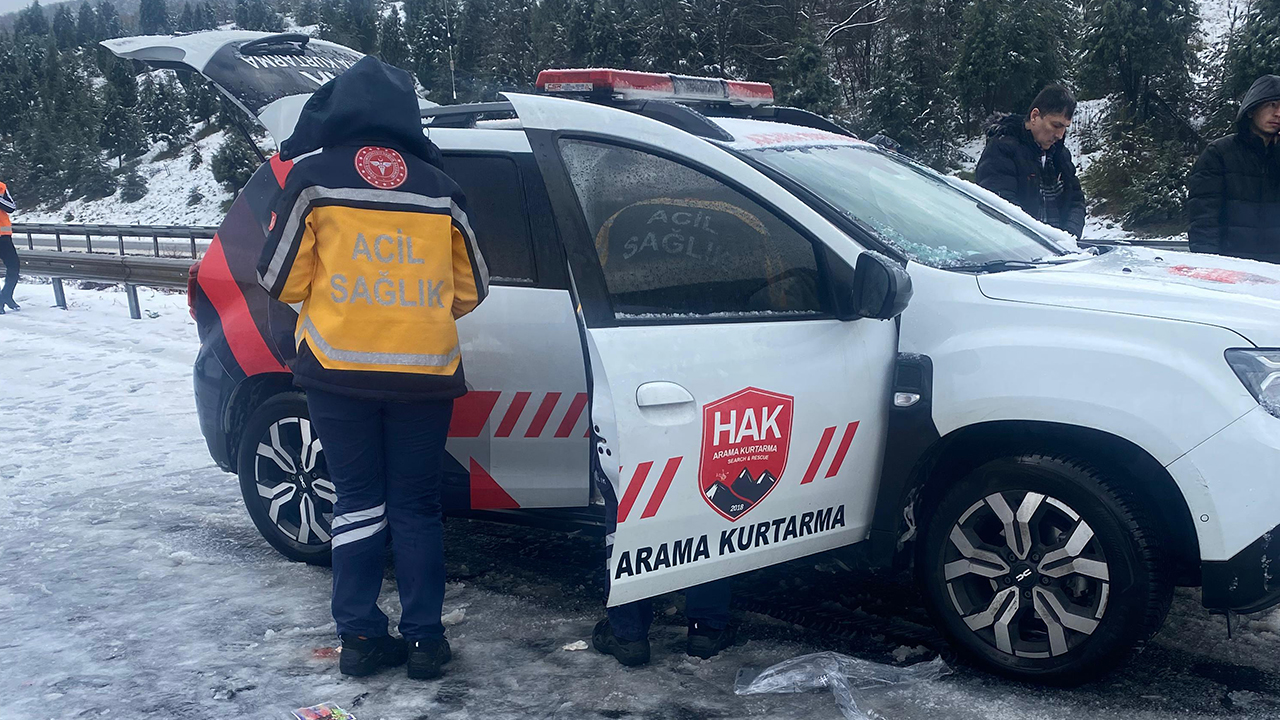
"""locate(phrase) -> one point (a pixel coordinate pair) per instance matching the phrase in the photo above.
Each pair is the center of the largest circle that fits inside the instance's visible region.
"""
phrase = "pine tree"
(109, 25)
(393, 49)
(207, 16)
(64, 28)
(234, 162)
(306, 13)
(1253, 52)
(122, 134)
(187, 21)
(163, 110)
(87, 30)
(807, 81)
(133, 188)
(1142, 50)
(153, 18)
(1008, 52)
(257, 15)
(31, 21)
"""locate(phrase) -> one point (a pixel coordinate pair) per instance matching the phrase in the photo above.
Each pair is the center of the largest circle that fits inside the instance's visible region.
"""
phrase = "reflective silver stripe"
(357, 516)
(482, 282)
(357, 534)
(316, 192)
(374, 358)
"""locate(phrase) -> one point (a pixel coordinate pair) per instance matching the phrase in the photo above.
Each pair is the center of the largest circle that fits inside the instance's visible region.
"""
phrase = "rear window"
(498, 213)
(257, 80)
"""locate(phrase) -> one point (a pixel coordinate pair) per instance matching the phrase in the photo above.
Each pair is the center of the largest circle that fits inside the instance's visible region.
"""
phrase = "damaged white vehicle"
(708, 295)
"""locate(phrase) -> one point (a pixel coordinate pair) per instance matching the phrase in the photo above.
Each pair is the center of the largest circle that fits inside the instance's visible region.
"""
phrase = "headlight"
(1259, 370)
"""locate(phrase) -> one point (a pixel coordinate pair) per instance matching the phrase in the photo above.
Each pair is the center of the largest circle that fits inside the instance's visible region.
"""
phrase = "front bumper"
(1232, 485)
(1249, 581)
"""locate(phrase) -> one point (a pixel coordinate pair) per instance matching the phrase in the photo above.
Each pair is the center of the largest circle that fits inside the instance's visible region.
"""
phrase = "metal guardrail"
(164, 240)
(67, 252)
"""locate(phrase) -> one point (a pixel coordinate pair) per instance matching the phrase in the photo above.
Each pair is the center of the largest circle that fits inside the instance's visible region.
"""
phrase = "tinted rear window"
(496, 207)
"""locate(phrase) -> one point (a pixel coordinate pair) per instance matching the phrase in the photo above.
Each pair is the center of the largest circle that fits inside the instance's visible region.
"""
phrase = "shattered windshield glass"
(909, 207)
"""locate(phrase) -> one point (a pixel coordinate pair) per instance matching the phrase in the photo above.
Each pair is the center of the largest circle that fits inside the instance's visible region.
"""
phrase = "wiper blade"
(997, 266)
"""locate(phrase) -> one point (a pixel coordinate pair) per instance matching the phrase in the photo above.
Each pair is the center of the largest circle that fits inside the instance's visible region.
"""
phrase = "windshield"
(910, 207)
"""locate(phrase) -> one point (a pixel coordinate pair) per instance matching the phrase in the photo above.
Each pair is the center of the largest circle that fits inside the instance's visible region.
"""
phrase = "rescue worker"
(373, 239)
(1233, 192)
(8, 253)
(624, 632)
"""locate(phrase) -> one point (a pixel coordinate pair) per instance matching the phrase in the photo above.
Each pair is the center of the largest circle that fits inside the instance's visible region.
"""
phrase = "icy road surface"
(134, 584)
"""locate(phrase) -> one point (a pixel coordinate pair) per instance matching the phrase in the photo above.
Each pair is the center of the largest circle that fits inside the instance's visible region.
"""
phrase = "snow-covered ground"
(136, 586)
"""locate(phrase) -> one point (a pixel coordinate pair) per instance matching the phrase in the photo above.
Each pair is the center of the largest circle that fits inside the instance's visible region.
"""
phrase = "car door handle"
(659, 394)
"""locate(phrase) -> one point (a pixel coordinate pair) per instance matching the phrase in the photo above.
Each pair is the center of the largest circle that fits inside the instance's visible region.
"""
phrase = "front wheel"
(284, 479)
(1044, 568)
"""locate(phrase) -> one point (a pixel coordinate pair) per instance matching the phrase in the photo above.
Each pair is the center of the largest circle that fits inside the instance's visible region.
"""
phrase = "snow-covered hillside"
(167, 202)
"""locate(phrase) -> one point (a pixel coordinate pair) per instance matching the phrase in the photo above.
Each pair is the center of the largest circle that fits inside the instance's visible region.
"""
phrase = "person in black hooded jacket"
(1026, 162)
(1234, 188)
(373, 239)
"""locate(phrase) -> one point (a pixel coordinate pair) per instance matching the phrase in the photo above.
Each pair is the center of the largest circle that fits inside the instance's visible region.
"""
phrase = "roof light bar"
(632, 85)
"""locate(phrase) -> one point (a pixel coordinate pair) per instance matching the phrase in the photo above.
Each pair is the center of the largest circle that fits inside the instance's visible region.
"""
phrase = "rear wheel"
(1043, 568)
(284, 479)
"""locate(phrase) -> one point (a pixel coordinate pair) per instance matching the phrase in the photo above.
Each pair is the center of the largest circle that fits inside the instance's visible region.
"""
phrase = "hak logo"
(1023, 575)
(745, 439)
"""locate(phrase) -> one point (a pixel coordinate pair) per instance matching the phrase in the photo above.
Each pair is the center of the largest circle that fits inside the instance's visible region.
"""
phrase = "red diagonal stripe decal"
(543, 415)
(660, 492)
(571, 417)
(243, 336)
(513, 414)
(633, 489)
(818, 454)
(471, 412)
(844, 448)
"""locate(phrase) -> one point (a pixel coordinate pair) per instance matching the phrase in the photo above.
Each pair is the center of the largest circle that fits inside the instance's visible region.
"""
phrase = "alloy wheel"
(293, 482)
(1026, 574)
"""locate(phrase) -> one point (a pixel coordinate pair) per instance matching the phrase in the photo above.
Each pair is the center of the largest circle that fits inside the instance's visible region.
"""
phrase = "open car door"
(740, 422)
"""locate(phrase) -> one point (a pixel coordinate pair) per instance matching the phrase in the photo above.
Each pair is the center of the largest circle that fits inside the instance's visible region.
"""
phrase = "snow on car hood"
(1240, 295)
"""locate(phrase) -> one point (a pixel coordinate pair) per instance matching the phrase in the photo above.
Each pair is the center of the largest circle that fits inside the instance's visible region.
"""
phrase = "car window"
(498, 213)
(674, 241)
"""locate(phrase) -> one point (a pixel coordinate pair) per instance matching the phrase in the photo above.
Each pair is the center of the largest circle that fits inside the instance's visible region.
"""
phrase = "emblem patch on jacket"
(381, 167)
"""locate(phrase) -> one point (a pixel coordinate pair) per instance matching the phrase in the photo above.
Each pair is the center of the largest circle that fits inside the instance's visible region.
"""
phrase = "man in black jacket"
(1234, 188)
(1026, 162)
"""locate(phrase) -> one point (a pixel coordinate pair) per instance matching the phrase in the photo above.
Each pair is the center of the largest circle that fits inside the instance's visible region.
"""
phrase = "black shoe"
(13, 305)
(426, 658)
(628, 652)
(706, 642)
(1, 309)
(363, 656)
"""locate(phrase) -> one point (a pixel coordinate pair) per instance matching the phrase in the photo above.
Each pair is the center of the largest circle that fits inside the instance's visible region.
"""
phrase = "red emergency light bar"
(632, 85)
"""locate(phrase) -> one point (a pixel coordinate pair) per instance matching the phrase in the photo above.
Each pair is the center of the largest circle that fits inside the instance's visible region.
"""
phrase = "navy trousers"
(707, 603)
(385, 460)
(8, 255)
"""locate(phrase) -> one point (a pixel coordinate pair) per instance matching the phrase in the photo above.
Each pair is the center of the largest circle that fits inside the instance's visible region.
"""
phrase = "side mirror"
(881, 287)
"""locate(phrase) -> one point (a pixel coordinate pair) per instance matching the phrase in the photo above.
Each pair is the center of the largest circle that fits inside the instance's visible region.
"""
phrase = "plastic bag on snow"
(849, 678)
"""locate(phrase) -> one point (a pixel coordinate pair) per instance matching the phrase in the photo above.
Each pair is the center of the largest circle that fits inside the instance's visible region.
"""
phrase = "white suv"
(704, 294)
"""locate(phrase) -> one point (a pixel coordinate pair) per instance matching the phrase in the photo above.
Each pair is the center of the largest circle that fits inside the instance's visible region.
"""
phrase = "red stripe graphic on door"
(636, 486)
(474, 411)
(820, 454)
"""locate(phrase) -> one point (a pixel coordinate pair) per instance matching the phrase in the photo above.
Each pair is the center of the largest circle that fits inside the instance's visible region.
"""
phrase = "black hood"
(1264, 89)
(372, 102)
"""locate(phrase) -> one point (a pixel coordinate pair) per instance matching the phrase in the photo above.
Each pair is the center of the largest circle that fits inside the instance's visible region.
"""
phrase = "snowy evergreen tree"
(306, 13)
(153, 18)
(806, 80)
(187, 21)
(1142, 50)
(1254, 51)
(393, 48)
(257, 15)
(163, 109)
(109, 24)
(64, 28)
(1009, 51)
(133, 187)
(87, 30)
(31, 21)
(234, 162)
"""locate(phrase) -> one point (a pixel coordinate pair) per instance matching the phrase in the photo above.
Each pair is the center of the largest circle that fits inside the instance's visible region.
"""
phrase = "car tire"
(1083, 581)
(284, 479)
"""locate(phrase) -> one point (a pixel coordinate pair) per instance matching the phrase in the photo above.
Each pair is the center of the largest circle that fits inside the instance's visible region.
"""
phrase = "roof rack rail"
(290, 43)
(777, 113)
(676, 115)
(463, 116)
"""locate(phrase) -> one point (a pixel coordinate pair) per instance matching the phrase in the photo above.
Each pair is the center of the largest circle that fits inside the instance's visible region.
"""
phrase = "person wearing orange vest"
(8, 253)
